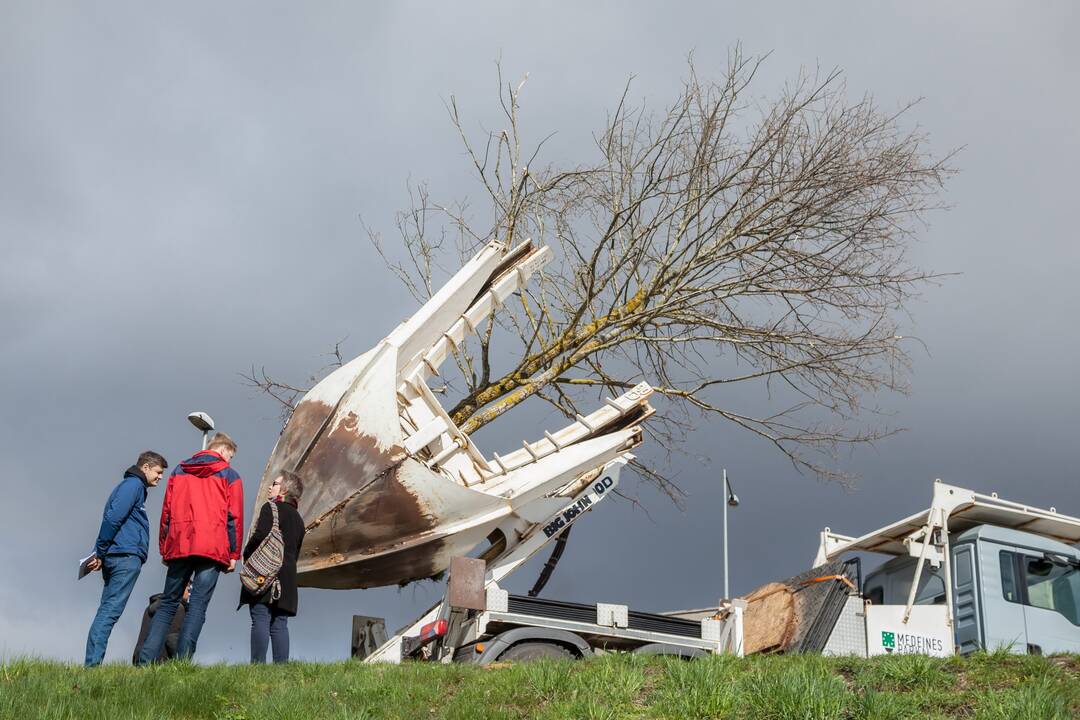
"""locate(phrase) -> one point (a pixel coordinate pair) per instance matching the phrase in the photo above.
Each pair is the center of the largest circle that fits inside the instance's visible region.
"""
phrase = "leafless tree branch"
(723, 240)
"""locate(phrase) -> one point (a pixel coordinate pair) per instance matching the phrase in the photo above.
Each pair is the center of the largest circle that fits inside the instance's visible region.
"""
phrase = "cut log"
(798, 614)
(769, 621)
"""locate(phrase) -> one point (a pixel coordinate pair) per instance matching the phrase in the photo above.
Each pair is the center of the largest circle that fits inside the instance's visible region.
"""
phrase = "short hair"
(151, 458)
(220, 439)
(291, 484)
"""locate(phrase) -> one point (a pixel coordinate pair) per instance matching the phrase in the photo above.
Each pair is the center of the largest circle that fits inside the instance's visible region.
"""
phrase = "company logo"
(907, 643)
(574, 509)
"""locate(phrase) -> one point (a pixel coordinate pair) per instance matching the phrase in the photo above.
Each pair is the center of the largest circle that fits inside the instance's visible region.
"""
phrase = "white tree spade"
(724, 240)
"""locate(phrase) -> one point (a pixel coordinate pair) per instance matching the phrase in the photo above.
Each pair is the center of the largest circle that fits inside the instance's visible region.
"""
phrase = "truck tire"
(523, 652)
(670, 651)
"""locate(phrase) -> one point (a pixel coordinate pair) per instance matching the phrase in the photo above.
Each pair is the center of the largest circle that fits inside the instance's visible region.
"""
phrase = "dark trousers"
(203, 575)
(269, 626)
(119, 573)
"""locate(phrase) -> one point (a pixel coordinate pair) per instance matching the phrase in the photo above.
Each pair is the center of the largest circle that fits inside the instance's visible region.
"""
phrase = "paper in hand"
(84, 566)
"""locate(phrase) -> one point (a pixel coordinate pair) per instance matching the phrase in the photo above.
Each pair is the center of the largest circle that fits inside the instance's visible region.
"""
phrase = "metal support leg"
(928, 533)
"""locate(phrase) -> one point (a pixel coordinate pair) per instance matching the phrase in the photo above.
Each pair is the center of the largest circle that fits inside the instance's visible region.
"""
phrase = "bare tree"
(286, 394)
(722, 241)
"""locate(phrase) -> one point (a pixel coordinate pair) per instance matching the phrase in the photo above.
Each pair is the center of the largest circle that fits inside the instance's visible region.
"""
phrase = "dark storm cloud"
(179, 197)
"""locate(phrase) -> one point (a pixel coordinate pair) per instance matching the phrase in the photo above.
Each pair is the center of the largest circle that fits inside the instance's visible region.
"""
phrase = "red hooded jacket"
(203, 512)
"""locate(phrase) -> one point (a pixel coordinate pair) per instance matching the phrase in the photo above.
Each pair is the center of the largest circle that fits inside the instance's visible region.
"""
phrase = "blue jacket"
(125, 529)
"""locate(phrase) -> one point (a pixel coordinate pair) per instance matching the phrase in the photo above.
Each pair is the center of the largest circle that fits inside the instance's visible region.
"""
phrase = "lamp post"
(202, 422)
(733, 500)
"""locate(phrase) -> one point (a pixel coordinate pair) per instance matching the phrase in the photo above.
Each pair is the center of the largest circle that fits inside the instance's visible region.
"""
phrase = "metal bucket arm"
(393, 488)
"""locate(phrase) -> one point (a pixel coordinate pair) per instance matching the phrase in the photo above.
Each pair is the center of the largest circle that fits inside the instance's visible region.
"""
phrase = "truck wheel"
(523, 652)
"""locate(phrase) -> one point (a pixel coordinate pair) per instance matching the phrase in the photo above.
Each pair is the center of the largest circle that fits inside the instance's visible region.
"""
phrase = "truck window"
(1053, 585)
(931, 591)
(962, 562)
(1008, 576)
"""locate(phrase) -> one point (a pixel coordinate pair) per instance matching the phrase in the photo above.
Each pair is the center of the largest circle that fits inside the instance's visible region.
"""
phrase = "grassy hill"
(810, 687)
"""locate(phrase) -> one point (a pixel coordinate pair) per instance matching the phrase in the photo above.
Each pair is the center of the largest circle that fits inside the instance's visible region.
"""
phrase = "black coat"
(292, 532)
(168, 649)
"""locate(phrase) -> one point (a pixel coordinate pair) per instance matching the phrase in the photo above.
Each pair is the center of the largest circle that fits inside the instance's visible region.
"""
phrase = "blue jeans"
(269, 626)
(119, 573)
(203, 575)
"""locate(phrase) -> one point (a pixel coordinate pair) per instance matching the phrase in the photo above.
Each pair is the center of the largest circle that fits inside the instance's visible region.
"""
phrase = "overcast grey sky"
(180, 193)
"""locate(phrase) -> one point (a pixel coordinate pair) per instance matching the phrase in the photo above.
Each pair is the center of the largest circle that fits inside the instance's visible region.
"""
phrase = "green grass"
(619, 686)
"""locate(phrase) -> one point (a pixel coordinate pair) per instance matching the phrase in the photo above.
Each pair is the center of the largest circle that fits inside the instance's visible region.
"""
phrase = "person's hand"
(232, 566)
(93, 563)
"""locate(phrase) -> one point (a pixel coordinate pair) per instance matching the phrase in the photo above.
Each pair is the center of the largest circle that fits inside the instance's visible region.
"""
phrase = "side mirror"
(1061, 560)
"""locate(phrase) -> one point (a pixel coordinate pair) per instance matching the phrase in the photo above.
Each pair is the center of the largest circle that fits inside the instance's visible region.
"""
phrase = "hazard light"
(410, 646)
(433, 630)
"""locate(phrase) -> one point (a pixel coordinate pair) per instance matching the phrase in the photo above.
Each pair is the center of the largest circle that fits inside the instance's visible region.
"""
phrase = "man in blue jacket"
(121, 548)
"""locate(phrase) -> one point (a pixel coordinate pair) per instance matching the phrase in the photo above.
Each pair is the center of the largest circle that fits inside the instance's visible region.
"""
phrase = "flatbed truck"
(971, 572)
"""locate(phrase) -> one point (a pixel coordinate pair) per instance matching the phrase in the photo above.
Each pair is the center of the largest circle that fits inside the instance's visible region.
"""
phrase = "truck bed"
(584, 613)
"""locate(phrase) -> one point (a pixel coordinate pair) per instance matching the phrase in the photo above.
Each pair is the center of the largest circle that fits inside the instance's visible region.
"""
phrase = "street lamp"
(733, 500)
(202, 422)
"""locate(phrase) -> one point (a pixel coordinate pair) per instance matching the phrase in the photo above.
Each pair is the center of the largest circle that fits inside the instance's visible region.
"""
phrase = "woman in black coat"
(269, 615)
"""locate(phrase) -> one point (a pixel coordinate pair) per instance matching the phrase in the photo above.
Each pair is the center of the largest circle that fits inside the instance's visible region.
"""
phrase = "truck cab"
(1011, 589)
(1004, 574)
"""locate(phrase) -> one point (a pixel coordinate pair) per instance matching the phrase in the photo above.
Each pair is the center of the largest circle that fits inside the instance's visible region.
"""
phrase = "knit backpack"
(261, 569)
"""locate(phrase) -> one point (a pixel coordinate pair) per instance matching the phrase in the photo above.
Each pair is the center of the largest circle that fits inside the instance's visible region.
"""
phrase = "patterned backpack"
(260, 571)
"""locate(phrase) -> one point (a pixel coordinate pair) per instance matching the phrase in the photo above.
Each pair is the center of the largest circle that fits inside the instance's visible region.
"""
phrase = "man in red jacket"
(201, 524)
